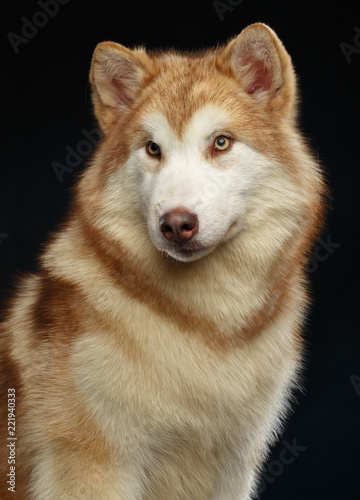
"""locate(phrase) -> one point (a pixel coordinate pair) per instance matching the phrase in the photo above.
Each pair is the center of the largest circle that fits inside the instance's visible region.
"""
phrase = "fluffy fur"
(146, 368)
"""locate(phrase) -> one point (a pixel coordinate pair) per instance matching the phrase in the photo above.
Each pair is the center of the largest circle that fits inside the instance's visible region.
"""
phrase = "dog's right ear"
(117, 75)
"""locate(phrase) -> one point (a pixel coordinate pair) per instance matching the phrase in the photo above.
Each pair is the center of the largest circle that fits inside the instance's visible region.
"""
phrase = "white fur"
(217, 190)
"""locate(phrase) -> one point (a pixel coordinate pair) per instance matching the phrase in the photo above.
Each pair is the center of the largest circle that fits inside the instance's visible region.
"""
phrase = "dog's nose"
(179, 226)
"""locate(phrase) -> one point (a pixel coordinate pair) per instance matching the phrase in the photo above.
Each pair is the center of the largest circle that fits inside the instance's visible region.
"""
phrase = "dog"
(154, 354)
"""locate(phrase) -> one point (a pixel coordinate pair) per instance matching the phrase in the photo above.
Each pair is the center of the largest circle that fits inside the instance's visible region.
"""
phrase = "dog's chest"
(178, 385)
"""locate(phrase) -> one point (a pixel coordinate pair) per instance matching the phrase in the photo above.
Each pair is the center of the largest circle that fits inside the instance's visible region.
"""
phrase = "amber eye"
(153, 149)
(222, 143)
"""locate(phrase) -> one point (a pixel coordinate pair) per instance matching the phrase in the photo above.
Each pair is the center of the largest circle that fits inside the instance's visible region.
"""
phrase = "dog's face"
(196, 133)
(193, 189)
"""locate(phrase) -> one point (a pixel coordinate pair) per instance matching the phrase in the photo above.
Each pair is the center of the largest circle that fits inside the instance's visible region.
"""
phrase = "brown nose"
(179, 226)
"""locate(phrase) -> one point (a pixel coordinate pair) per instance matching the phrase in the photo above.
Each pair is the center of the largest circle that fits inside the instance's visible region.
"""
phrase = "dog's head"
(195, 138)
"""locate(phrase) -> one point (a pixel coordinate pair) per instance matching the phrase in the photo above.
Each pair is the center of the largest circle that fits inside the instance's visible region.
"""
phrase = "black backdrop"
(46, 113)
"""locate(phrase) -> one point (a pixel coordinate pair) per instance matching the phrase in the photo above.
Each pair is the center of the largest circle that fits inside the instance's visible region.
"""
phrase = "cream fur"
(145, 374)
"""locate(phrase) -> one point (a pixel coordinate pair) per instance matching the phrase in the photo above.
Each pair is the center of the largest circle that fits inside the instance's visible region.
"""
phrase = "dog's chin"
(187, 255)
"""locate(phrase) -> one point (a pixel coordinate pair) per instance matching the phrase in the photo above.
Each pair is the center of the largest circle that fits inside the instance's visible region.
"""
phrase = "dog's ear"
(259, 61)
(117, 75)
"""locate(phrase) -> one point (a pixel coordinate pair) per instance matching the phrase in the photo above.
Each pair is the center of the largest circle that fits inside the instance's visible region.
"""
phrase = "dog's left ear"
(259, 61)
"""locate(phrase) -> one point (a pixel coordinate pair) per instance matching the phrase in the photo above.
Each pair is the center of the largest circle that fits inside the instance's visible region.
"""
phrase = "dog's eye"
(222, 143)
(153, 149)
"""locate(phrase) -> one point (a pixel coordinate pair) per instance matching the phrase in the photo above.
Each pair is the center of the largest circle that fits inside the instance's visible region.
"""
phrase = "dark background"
(46, 105)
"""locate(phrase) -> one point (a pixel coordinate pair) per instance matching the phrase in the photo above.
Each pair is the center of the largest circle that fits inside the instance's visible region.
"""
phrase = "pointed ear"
(117, 75)
(259, 61)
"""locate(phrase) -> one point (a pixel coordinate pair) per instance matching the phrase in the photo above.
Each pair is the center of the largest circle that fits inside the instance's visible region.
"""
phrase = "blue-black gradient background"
(46, 105)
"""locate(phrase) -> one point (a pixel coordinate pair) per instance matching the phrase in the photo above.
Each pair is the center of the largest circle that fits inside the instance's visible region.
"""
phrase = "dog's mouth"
(187, 253)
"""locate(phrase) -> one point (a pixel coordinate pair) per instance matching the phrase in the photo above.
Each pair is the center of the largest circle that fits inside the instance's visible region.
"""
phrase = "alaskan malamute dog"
(153, 355)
